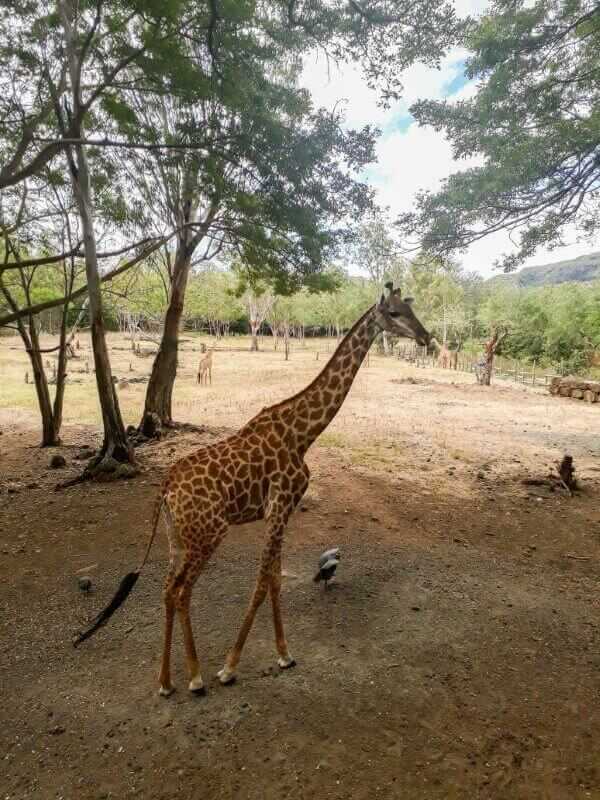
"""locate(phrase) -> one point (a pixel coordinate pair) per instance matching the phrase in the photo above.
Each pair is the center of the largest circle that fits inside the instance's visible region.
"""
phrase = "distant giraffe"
(257, 473)
(205, 368)
(444, 357)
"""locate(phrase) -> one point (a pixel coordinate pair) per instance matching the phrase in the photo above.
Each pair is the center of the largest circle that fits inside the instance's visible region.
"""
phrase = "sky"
(410, 158)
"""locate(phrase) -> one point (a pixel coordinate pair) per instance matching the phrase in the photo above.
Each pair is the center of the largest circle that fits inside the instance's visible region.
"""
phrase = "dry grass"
(386, 419)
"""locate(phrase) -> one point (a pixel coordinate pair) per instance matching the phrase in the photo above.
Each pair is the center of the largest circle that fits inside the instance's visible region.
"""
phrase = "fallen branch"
(86, 569)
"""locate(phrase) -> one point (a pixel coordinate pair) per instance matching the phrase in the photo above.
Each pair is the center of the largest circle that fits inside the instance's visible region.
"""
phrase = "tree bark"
(50, 432)
(254, 337)
(491, 347)
(159, 395)
(386, 343)
(61, 372)
(115, 447)
(29, 336)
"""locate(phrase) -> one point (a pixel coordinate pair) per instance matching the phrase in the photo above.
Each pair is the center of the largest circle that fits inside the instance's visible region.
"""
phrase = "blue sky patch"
(459, 79)
(399, 122)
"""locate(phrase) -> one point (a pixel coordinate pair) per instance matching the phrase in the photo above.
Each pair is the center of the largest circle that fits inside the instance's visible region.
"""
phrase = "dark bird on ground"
(327, 565)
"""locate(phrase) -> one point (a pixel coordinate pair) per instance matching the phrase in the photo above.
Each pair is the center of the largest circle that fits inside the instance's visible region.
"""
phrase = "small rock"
(56, 730)
(125, 471)
(57, 461)
(13, 488)
(84, 583)
(415, 608)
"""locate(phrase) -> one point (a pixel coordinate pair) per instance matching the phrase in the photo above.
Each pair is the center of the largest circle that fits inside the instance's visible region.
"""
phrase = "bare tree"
(258, 302)
(497, 336)
(37, 217)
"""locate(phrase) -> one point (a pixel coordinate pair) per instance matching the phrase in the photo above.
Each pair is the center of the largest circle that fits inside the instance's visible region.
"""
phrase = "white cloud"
(415, 158)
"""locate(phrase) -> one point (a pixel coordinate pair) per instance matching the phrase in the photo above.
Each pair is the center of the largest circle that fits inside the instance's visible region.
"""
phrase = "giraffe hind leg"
(175, 564)
(285, 660)
(178, 592)
(196, 560)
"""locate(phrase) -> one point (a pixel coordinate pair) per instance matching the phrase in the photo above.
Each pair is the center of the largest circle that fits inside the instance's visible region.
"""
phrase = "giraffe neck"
(311, 411)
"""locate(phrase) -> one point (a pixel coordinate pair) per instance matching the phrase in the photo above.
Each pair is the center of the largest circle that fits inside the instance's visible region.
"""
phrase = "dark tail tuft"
(122, 592)
(317, 577)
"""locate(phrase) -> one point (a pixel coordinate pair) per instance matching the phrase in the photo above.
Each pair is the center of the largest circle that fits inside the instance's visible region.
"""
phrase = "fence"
(504, 368)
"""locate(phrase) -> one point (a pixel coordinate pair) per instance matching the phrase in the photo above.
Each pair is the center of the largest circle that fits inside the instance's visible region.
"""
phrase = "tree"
(437, 286)
(20, 285)
(280, 317)
(71, 73)
(258, 300)
(274, 205)
(533, 122)
(375, 253)
(491, 347)
(211, 297)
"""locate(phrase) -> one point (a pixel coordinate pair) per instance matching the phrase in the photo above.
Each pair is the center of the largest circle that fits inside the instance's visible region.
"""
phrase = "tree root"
(565, 479)
(102, 468)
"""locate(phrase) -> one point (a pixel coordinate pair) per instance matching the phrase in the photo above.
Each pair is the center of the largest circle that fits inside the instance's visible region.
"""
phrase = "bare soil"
(455, 655)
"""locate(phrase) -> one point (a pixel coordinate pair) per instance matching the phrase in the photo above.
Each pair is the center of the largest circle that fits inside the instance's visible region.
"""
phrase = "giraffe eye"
(394, 314)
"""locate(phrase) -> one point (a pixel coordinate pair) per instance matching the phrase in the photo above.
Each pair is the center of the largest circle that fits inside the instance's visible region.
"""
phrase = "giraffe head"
(395, 315)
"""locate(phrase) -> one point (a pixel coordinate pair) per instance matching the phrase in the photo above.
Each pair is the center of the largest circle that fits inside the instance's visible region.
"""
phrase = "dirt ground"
(455, 655)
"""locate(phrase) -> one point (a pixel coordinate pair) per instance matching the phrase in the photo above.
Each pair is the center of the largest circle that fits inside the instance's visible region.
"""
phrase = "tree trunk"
(50, 434)
(30, 340)
(286, 342)
(254, 337)
(61, 372)
(159, 395)
(490, 351)
(386, 343)
(115, 447)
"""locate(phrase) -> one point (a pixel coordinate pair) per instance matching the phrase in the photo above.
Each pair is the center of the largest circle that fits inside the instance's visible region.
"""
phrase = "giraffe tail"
(126, 584)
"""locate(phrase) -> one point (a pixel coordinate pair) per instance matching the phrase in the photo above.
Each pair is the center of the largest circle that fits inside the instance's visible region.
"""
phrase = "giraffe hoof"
(196, 686)
(226, 676)
(286, 663)
(166, 691)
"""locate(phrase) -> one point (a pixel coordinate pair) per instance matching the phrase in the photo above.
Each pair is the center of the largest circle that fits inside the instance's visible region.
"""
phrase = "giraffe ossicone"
(257, 473)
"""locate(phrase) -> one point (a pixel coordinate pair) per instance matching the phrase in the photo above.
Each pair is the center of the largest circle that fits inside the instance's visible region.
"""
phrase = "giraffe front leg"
(285, 660)
(279, 508)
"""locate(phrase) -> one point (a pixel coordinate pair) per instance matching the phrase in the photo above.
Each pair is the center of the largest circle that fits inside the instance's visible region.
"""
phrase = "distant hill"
(575, 270)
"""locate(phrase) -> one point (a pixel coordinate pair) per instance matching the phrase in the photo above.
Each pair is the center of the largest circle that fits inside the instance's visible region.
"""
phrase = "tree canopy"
(534, 124)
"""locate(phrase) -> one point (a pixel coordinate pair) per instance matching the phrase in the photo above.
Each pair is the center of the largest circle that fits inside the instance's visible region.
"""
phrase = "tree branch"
(109, 276)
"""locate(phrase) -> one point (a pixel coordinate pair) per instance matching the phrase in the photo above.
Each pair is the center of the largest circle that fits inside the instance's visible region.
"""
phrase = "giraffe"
(205, 368)
(257, 473)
